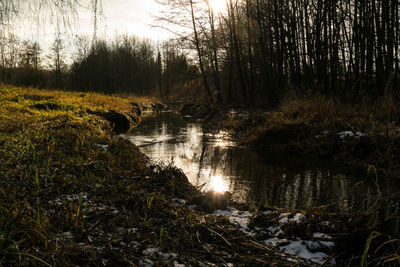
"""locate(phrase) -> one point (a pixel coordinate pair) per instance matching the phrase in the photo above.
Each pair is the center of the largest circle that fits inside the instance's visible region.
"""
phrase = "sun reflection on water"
(218, 184)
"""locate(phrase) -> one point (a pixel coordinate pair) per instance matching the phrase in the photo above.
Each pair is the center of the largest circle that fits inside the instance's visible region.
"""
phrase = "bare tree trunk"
(238, 53)
(197, 43)
(215, 55)
(250, 51)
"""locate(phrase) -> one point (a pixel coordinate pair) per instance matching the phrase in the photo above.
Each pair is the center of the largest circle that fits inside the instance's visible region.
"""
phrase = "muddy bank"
(122, 122)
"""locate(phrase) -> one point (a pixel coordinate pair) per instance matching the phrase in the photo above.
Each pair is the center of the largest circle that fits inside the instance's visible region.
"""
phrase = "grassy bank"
(74, 193)
(50, 149)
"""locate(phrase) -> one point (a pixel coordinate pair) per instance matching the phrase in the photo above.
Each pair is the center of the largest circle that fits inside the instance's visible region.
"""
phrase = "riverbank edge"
(361, 137)
(352, 137)
(75, 193)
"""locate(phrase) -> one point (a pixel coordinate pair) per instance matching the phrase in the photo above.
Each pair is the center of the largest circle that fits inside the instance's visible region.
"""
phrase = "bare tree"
(57, 59)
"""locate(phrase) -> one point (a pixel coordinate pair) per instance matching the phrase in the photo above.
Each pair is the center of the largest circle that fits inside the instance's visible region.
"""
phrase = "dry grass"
(81, 99)
(327, 113)
(49, 146)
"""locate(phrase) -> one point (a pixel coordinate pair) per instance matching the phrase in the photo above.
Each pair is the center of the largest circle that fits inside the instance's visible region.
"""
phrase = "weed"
(161, 236)
(372, 236)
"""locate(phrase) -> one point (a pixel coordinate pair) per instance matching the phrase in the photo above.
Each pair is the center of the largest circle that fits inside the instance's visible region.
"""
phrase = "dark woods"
(126, 65)
(262, 48)
(252, 53)
(130, 65)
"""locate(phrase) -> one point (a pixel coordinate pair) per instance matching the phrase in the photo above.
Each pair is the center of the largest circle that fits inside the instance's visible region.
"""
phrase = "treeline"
(126, 65)
(258, 49)
(129, 65)
(253, 52)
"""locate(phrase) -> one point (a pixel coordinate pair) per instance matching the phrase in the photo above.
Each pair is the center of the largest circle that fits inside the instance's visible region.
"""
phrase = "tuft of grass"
(372, 236)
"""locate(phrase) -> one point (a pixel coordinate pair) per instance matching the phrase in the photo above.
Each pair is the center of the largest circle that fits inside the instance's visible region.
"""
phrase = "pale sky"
(133, 17)
(126, 16)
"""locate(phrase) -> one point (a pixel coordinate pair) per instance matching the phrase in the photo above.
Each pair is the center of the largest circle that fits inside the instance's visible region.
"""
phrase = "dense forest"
(251, 53)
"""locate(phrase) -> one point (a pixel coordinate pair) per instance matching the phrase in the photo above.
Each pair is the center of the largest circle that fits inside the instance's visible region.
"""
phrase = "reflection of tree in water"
(253, 180)
(253, 175)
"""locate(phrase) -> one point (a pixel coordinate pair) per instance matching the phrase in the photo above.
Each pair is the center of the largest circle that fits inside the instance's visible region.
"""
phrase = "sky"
(126, 16)
(133, 17)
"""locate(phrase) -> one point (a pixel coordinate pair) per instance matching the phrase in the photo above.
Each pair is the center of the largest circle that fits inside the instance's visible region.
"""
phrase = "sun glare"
(218, 6)
(218, 184)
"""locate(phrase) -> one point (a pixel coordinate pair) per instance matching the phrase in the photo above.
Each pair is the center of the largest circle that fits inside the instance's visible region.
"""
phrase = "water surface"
(214, 162)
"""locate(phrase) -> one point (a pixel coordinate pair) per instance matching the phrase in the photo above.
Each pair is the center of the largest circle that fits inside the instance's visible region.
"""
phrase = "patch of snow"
(313, 245)
(274, 242)
(322, 236)
(307, 249)
(177, 264)
(104, 147)
(345, 134)
(132, 230)
(299, 248)
(274, 230)
(70, 198)
(327, 244)
(285, 215)
(269, 212)
(238, 218)
(167, 256)
(135, 244)
(150, 251)
(146, 263)
(298, 218)
(206, 264)
(292, 260)
(115, 211)
(82, 196)
(223, 213)
(153, 252)
(65, 236)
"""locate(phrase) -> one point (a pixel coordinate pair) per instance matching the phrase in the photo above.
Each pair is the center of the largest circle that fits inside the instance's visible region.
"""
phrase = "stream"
(252, 176)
